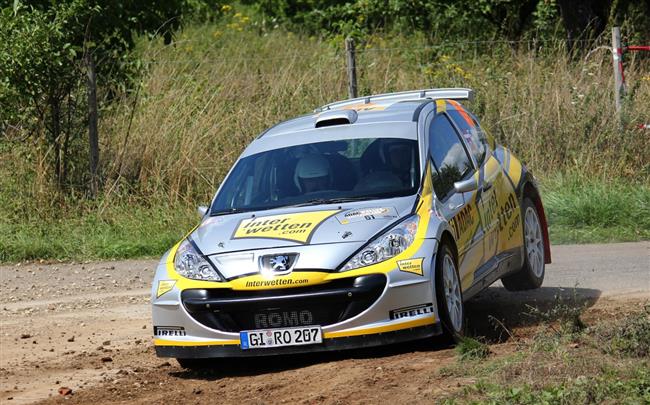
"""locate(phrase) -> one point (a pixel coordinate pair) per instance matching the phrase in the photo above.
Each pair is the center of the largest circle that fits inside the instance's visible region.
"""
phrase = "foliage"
(459, 19)
(42, 50)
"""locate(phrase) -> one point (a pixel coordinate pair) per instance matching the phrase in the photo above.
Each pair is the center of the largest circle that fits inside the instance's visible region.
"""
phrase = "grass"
(583, 210)
(469, 348)
(579, 211)
(202, 100)
(120, 231)
(605, 362)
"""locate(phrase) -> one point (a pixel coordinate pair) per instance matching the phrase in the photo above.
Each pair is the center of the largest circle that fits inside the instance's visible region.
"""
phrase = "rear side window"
(471, 133)
(450, 159)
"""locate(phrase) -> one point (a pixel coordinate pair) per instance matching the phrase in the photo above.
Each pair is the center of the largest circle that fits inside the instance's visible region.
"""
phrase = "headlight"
(189, 263)
(387, 245)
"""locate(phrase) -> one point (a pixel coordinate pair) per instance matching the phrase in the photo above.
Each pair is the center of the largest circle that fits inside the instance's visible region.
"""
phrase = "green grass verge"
(121, 231)
(579, 211)
(582, 210)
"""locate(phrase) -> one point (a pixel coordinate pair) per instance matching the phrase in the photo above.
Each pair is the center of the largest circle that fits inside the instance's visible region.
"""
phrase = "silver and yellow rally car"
(366, 223)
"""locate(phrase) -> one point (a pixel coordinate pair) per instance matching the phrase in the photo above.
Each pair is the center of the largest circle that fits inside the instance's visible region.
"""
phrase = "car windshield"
(321, 173)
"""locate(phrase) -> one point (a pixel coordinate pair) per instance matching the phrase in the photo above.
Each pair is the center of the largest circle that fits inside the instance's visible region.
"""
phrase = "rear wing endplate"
(452, 93)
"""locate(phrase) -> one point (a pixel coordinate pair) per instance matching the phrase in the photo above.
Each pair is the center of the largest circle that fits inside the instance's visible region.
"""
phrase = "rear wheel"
(531, 274)
(448, 295)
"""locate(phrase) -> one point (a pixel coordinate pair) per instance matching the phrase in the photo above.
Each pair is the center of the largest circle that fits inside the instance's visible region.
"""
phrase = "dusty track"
(87, 327)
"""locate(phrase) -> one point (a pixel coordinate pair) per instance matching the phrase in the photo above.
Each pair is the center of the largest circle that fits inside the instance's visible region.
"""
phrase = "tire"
(195, 364)
(531, 274)
(449, 296)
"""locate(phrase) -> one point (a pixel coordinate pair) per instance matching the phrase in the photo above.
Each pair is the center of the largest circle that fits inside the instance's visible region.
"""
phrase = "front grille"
(233, 311)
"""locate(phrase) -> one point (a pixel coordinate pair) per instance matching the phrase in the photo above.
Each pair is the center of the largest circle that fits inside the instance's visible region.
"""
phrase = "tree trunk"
(93, 138)
(55, 132)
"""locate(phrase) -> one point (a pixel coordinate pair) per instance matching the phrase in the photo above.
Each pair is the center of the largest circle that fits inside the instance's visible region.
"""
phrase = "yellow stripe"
(164, 342)
(326, 335)
(382, 329)
(514, 169)
(441, 106)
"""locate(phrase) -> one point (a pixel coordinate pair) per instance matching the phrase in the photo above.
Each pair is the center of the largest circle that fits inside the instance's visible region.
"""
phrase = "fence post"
(93, 138)
(352, 67)
(617, 60)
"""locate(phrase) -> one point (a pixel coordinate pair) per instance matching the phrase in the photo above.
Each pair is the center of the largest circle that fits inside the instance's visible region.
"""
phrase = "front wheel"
(531, 275)
(449, 295)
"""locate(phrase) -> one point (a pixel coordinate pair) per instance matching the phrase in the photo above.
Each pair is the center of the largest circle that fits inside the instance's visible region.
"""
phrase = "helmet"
(311, 167)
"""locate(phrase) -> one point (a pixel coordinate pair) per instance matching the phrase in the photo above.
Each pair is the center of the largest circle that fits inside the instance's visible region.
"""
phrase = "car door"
(450, 163)
(496, 196)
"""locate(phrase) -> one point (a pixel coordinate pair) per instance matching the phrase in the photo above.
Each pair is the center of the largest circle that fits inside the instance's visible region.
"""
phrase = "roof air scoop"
(336, 117)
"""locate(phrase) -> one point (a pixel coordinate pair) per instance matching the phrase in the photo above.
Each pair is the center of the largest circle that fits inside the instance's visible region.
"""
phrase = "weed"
(472, 349)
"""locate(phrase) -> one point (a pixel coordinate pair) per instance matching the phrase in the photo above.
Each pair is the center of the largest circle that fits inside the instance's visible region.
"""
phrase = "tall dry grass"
(202, 100)
(205, 98)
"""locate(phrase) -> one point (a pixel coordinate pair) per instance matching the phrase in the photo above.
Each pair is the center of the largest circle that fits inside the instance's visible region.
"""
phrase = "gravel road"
(86, 326)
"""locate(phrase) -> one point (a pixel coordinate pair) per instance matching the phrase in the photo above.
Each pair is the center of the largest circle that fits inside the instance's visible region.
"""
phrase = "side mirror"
(202, 210)
(466, 185)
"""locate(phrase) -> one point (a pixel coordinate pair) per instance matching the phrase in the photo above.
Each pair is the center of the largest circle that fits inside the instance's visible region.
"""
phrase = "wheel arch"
(531, 191)
(447, 238)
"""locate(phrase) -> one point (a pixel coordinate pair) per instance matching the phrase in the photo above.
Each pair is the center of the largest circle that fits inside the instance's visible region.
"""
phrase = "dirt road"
(86, 327)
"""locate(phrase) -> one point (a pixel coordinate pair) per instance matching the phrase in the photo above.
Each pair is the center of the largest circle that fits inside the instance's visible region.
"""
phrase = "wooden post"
(617, 60)
(352, 67)
(93, 138)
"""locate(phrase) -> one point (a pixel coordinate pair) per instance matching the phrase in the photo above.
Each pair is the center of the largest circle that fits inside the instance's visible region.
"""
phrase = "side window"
(471, 133)
(451, 161)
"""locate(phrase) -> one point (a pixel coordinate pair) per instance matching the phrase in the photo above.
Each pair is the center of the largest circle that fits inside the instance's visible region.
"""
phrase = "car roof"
(402, 111)
(392, 115)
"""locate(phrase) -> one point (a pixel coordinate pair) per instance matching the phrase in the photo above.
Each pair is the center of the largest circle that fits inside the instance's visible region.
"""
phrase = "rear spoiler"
(432, 94)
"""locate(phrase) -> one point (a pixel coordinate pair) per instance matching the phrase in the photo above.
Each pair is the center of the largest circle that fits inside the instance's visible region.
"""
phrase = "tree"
(45, 49)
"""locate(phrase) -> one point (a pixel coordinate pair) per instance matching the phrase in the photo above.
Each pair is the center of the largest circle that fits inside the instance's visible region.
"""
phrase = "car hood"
(322, 235)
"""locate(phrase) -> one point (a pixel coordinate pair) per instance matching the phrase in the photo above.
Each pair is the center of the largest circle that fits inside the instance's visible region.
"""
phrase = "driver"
(399, 161)
(313, 174)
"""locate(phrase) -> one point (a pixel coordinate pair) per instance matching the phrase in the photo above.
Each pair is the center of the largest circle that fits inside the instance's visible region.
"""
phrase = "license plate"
(267, 338)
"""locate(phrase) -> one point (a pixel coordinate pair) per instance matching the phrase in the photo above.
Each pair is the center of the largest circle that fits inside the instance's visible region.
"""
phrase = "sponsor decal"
(365, 107)
(412, 265)
(164, 286)
(463, 221)
(169, 331)
(366, 214)
(506, 210)
(297, 227)
(283, 319)
(409, 312)
(276, 282)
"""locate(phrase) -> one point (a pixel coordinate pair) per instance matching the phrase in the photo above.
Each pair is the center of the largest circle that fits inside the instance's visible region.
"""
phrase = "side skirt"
(500, 265)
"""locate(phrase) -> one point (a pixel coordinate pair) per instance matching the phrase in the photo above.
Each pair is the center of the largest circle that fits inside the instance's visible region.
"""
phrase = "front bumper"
(332, 344)
(354, 309)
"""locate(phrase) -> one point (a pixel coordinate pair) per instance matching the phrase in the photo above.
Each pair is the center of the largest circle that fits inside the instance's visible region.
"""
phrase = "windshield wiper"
(319, 201)
(228, 211)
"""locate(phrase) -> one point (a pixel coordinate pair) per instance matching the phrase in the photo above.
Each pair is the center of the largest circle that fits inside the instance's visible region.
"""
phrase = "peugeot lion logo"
(277, 265)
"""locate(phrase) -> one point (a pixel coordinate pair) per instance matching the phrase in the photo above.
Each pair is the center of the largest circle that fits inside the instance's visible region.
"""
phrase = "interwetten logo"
(296, 227)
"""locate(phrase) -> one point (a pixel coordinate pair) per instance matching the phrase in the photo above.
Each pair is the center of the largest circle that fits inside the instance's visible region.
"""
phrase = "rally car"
(368, 222)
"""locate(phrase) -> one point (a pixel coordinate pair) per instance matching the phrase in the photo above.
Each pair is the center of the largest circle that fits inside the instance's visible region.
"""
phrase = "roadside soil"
(86, 327)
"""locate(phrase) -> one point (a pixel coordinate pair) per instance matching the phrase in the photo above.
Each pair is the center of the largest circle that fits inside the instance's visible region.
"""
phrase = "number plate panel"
(268, 338)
